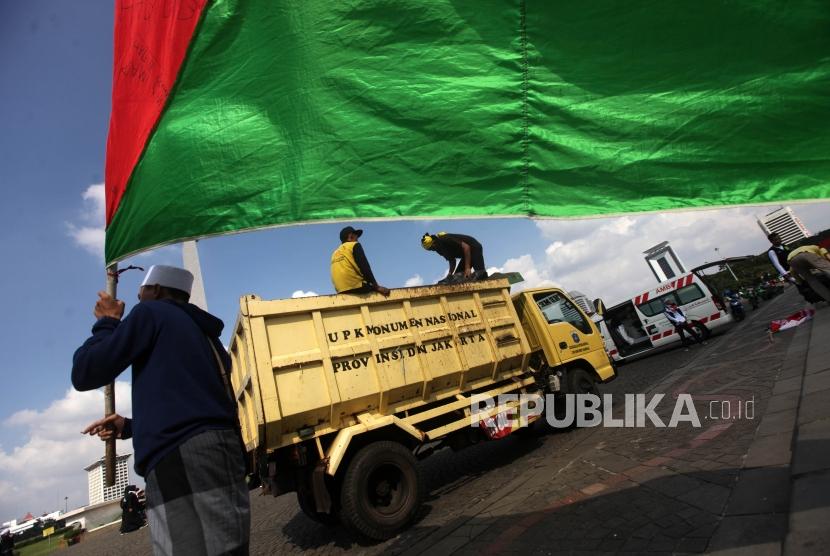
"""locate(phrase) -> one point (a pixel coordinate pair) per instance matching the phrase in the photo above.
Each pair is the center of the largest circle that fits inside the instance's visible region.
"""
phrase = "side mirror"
(599, 307)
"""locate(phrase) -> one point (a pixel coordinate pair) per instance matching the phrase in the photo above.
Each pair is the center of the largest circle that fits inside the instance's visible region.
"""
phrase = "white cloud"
(301, 293)
(88, 233)
(414, 281)
(603, 257)
(534, 275)
(37, 475)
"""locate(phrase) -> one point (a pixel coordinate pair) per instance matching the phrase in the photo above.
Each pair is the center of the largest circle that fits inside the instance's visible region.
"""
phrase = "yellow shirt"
(814, 249)
(345, 274)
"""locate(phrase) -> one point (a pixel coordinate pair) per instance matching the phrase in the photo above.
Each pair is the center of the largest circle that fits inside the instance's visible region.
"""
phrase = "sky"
(55, 79)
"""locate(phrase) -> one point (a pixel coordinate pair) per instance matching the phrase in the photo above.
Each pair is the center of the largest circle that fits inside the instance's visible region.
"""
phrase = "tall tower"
(664, 262)
(190, 260)
(785, 223)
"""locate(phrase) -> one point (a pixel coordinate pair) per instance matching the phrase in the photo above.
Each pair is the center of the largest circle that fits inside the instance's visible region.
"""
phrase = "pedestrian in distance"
(778, 253)
(350, 270)
(807, 258)
(464, 254)
(6, 543)
(185, 428)
(681, 323)
(132, 510)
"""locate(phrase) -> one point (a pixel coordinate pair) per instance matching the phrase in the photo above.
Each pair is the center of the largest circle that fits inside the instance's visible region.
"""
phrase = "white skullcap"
(169, 277)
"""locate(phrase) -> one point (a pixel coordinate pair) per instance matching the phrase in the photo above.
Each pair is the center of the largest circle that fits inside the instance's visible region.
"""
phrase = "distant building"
(96, 475)
(785, 223)
(582, 300)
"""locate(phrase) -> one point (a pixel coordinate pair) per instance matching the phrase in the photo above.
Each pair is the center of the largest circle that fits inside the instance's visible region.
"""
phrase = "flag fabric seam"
(525, 107)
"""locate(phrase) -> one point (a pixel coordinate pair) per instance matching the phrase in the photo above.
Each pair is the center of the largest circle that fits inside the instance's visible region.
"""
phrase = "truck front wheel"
(580, 381)
(382, 490)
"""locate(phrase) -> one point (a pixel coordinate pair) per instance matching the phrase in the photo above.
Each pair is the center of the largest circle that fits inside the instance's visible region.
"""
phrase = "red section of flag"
(151, 40)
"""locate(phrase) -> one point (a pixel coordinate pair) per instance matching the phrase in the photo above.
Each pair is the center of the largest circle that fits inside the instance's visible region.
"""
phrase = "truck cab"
(563, 339)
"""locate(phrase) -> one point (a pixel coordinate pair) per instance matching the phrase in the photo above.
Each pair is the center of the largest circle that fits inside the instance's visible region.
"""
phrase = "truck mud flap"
(322, 497)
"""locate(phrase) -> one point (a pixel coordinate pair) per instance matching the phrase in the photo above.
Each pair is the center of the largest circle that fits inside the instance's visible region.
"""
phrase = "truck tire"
(383, 489)
(580, 381)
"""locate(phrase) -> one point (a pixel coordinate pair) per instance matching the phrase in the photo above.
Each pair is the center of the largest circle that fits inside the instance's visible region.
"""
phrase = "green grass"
(41, 548)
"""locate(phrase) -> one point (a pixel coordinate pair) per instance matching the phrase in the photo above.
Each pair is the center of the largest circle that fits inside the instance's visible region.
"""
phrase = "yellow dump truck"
(340, 395)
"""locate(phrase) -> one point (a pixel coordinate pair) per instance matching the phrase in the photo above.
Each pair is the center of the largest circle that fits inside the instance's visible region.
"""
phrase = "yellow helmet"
(426, 242)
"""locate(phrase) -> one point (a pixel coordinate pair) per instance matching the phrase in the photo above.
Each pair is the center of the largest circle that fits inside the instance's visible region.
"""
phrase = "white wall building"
(785, 223)
(582, 300)
(99, 493)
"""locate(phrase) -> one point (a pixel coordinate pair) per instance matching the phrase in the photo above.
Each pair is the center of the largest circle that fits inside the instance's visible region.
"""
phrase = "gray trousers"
(801, 265)
(197, 498)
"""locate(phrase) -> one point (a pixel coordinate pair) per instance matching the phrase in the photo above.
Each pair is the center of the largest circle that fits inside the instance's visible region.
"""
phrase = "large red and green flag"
(232, 115)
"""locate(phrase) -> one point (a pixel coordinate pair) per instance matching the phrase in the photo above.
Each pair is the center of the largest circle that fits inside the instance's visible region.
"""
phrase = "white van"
(639, 325)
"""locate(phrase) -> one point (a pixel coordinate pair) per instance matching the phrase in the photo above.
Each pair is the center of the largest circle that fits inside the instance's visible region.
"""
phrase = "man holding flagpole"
(184, 426)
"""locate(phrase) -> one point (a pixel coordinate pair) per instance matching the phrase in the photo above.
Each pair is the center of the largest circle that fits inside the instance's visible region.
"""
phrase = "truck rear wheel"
(383, 489)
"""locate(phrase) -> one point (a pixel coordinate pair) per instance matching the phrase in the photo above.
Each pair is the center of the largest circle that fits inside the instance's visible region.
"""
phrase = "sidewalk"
(809, 512)
(784, 484)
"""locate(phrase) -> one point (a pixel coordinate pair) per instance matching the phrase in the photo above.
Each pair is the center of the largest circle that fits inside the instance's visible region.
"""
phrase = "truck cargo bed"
(310, 366)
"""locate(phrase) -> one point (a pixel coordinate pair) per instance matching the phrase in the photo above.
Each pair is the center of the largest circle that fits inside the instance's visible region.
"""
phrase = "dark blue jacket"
(177, 391)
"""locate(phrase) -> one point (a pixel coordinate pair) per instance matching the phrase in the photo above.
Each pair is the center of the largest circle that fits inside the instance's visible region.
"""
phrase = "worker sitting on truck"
(350, 270)
(466, 249)
(804, 260)
(185, 429)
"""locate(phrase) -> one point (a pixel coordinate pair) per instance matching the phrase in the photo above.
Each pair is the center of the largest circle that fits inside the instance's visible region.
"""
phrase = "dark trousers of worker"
(803, 263)
(682, 327)
(476, 259)
(365, 288)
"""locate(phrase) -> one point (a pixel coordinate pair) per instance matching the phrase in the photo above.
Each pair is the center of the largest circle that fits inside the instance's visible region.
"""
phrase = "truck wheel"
(382, 490)
(306, 502)
(581, 381)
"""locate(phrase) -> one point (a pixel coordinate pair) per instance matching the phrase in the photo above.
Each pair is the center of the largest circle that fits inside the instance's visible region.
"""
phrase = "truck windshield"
(557, 308)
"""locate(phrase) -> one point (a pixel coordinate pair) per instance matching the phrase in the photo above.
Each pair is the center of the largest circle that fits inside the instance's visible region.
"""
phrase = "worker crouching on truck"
(466, 249)
(184, 426)
(350, 270)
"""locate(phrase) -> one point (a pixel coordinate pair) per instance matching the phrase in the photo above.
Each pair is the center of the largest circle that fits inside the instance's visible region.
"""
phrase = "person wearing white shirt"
(681, 324)
(778, 254)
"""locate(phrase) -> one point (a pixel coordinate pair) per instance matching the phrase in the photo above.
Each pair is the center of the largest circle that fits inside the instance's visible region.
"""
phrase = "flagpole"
(109, 390)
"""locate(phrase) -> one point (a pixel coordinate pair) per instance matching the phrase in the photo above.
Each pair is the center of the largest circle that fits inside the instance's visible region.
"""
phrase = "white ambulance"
(639, 325)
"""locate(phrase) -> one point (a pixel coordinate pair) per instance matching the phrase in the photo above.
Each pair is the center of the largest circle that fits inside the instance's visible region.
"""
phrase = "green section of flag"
(300, 111)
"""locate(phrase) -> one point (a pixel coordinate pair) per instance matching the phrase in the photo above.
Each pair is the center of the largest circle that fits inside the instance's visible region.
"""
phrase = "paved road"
(599, 489)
